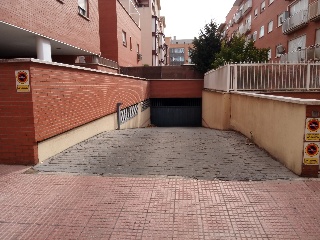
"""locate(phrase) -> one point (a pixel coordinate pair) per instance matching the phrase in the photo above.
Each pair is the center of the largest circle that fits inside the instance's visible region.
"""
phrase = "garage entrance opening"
(176, 112)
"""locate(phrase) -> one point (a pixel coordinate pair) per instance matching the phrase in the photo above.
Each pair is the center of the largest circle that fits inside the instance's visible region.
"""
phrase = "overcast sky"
(185, 18)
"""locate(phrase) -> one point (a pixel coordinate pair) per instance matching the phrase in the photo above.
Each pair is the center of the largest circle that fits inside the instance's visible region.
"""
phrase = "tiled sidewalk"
(38, 206)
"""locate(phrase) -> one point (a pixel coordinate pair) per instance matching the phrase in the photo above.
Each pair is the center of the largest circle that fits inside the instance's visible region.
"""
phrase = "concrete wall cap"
(281, 98)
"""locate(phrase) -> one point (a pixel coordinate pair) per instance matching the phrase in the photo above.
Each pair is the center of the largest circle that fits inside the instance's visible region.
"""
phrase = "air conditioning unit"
(139, 57)
(280, 49)
(283, 17)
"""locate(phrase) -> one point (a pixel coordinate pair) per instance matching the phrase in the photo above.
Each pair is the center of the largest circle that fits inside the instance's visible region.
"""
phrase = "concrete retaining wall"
(275, 123)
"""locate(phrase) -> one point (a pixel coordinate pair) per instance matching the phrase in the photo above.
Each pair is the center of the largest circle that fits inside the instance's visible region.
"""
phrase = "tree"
(237, 50)
(205, 47)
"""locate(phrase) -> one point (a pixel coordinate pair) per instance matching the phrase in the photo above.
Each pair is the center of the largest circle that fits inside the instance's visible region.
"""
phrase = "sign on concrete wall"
(22, 80)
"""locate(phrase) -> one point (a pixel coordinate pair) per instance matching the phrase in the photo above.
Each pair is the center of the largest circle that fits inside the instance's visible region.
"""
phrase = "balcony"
(238, 16)
(295, 22)
(310, 54)
(247, 7)
(314, 11)
(245, 28)
(87, 60)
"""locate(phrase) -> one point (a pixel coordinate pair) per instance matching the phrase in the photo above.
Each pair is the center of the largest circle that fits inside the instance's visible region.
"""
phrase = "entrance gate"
(176, 112)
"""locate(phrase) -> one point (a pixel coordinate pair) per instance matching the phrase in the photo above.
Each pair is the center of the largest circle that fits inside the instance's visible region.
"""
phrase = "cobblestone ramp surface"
(197, 153)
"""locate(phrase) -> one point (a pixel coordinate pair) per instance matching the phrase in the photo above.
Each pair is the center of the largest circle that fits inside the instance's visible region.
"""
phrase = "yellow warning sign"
(312, 137)
(311, 161)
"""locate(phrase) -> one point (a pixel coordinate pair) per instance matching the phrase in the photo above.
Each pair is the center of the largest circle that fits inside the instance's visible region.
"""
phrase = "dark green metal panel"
(176, 112)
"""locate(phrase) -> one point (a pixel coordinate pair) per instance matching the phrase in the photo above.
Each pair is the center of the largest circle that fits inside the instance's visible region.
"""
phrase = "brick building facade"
(56, 27)
(178, 51)
(282, 26)
(120, 32)
(64, 30)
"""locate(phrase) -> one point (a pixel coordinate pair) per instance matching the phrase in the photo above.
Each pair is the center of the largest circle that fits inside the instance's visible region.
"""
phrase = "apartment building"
(49, 30)
(178, 50)
(91, 33)
(153, 46)
(287, 27)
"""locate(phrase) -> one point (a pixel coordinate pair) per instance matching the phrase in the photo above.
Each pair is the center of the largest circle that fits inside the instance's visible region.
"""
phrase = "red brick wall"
(114, 19)
(176, 89)
(108, 29)
(56, 20)
(127, 57)
(61, 99)
(17, 134)
(65, 98)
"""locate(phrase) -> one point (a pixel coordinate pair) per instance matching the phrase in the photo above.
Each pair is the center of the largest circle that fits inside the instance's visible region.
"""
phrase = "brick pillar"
(17, 132)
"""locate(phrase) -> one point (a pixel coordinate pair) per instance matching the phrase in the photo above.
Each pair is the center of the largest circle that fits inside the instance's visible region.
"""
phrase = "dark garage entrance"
(176, 112)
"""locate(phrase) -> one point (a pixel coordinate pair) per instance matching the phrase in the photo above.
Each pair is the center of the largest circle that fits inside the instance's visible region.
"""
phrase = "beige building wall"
(275, 125)
(146, 35)
(147, 39)
(216, 110)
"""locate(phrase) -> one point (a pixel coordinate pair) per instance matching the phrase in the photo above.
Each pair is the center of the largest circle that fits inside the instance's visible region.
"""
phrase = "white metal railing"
(314, 10)
(310, 54)
(294, 22)
(238, 16)
(264, 77)
(244, 28)
(247, 6)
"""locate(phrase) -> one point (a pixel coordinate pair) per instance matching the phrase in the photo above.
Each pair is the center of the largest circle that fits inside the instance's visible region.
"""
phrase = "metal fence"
(264, 77)
(128, 113)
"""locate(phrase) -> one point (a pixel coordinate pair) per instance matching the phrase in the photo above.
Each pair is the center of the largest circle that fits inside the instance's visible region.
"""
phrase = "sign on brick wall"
(312, 141)
(22, 80)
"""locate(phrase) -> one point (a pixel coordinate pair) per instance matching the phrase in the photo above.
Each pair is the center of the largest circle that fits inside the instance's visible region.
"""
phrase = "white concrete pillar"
(44, 49)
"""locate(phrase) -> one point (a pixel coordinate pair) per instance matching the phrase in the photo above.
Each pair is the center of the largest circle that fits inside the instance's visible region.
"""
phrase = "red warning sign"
(22, 77)
(312, 149)
(313, 125)
(22, 80)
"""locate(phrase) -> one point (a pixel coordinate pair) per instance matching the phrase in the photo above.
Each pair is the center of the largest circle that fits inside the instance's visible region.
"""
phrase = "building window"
(256, 13)
(261, 34)
(271, 1)
(83, 8)
(263, 6)
(177, 50)
(269, 54)
(124, 38)
(130, 44)
(138, 48)
(282, 17)
(298, 6)
(254, 36)
(270, 26)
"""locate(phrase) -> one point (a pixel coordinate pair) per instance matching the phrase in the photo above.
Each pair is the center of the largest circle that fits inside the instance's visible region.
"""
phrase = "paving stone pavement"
(197, 153)
(159, 184)
(62, 206)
